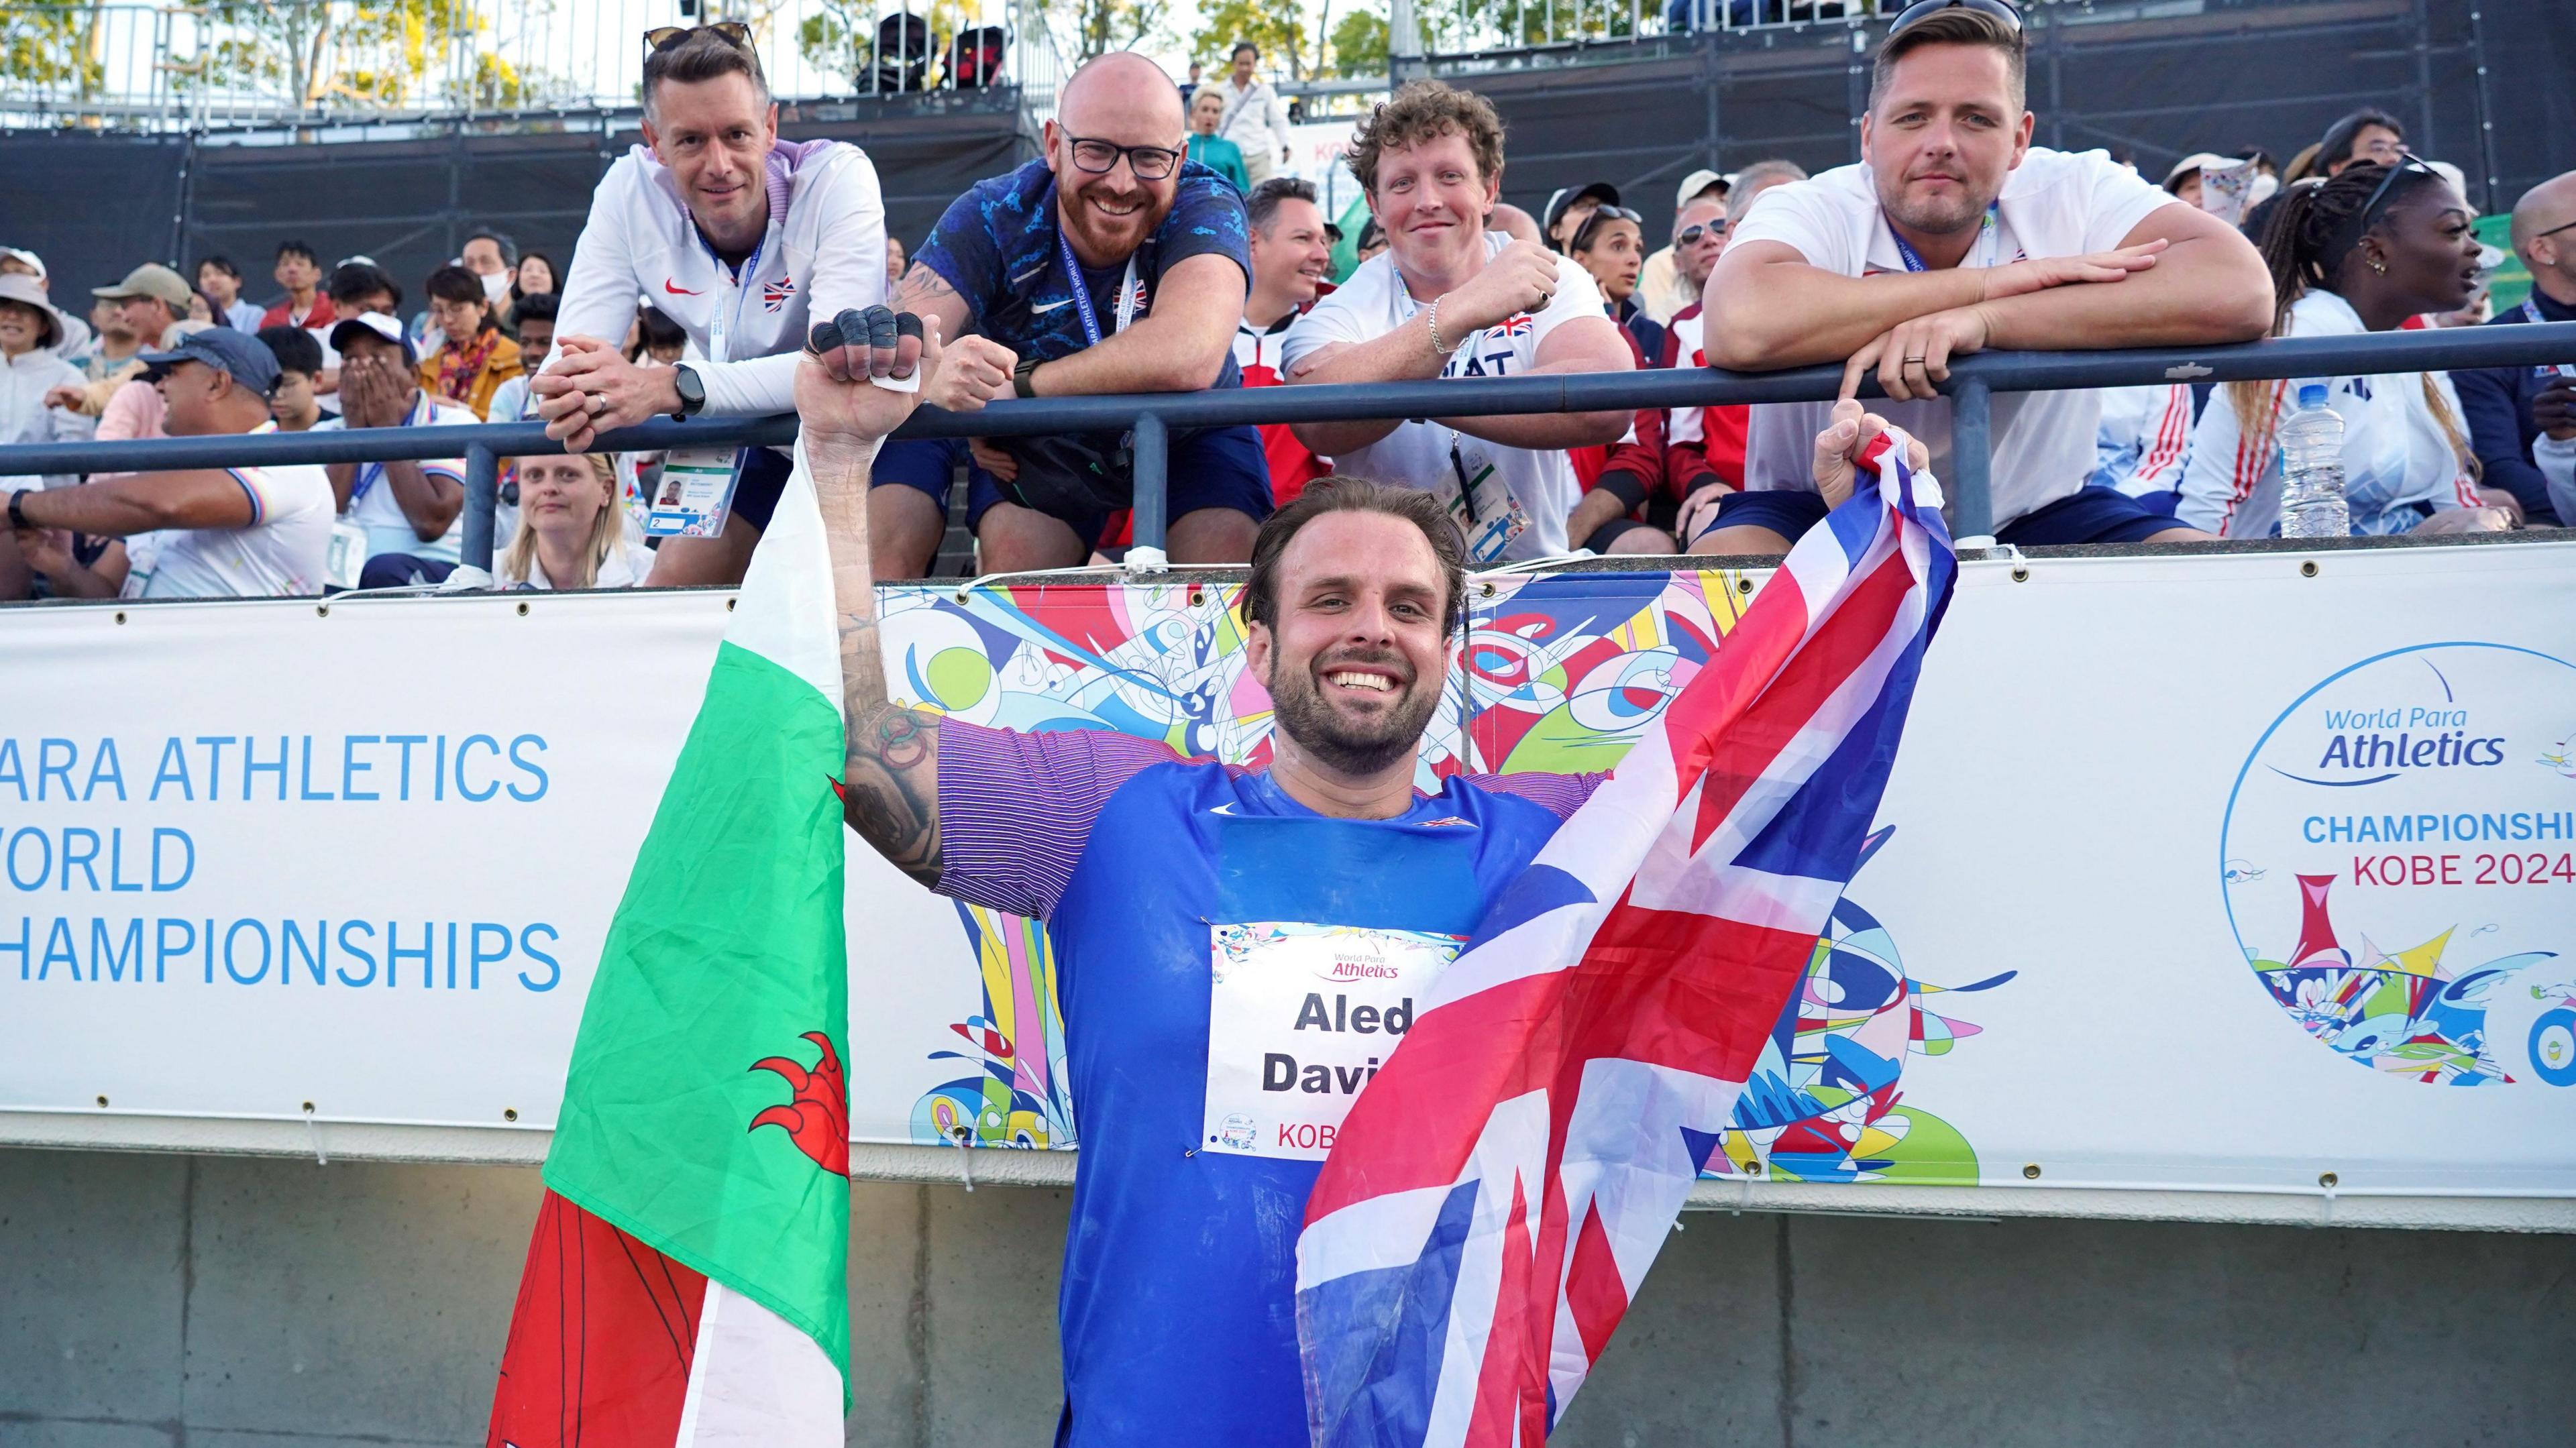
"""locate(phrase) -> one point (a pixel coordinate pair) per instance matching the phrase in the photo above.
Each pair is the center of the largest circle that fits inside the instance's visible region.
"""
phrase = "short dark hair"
(1262, 206)
(220, 263)
(509, 250)
(705, 55)
(456, 284)
(1424, 110)
(1240, 47)
(655, 328)
(2339, 139)
(305, 250)
(1956, 26)
(536, 307)
(294, 348)
(351, 280)
(1343, 494)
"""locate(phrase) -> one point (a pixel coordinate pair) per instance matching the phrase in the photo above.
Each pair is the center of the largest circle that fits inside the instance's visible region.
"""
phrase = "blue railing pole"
(1972, 432)
(1153, 452)
(482, 499)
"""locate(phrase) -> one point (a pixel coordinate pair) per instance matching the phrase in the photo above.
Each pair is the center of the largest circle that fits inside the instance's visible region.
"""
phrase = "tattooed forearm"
(891, 766)
(920, 289)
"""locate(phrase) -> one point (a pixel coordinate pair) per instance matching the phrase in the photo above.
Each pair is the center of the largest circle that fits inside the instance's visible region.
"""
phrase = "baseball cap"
(378, 323)
(1566, 196)
(2197, 160)
(151, 279)
(1697, 182)
(21, 254)
(23, 289)
(245, 357)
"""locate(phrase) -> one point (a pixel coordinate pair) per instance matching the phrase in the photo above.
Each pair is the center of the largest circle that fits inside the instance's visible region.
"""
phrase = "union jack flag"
(775, 295)
(1500, 1188)
(1518, 326)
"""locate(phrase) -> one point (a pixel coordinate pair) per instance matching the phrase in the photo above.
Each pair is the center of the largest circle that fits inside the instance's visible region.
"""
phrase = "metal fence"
(199, 64)
(1973, 382)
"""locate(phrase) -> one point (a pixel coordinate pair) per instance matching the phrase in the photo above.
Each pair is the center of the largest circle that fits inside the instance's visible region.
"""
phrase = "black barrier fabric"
(94, 207)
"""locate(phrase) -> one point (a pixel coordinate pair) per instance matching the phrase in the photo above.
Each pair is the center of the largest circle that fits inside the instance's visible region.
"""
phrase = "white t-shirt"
(1373, 303)
(2055, 203)
(372, 504)
(284, 552)
(627, 565)
(824, 252)
(2397, 460)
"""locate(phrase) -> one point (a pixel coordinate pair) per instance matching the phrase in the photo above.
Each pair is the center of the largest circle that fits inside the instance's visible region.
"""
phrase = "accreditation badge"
(1299, 1018)
(695, 495)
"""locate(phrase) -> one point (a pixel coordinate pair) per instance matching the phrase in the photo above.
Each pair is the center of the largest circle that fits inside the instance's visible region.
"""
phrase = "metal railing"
(201, 64)
(1152, 416)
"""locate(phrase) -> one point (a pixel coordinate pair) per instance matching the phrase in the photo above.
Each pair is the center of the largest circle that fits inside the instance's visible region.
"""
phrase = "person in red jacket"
(1291, 257)
(1629, 495)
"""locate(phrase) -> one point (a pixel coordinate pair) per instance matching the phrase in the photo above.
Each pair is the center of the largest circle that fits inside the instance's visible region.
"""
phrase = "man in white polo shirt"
(742, 239)
(1956, 235)
(413, 510)
(242, 532)
(1448, 298)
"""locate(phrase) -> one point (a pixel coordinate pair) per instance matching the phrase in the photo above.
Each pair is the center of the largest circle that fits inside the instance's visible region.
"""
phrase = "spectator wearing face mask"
(238, 532)
(473, 359)
(2363, 252)
(574, 531)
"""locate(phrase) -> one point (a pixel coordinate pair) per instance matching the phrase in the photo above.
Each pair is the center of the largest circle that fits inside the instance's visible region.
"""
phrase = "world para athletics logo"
(2398, 864)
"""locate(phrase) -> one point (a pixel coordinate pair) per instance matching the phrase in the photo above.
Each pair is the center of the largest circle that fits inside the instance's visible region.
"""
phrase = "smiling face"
(20, 328)
(1356, 663)
(146, 317)
(562, 496)
(188, 390)
(2424, 240)
(1433, 202)
(715, 136)
(1944, 134)
(1292, 254)
(1613, 252)
(1121, 99)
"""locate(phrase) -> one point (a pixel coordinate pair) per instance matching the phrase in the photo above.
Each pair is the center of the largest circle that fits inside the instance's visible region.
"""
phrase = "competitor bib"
(1299, 1018)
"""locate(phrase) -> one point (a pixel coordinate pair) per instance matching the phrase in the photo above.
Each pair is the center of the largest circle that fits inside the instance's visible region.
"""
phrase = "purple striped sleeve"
(1559, 794)
(1015, 810)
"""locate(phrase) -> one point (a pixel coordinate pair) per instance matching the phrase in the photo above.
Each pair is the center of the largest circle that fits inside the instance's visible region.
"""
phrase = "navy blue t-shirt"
(1178, 1306)
(997, 246)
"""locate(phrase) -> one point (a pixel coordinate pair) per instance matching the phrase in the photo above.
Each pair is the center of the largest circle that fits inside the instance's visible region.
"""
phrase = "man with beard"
(1952, 236)
(1111, 265)
(1235, 946)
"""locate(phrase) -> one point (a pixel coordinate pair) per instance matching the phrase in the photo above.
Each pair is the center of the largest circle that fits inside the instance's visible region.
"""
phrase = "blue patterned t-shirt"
(997, 246)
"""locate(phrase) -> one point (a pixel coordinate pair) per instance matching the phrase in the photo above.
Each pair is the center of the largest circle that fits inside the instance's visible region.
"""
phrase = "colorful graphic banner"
(2195, 873)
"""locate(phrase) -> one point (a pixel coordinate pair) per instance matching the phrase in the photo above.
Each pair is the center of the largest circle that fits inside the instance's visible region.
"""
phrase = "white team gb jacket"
(824, 251)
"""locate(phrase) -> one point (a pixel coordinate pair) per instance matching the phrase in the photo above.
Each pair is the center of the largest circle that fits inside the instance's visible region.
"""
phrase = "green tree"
(1088, 28)
(1359, 45)
(51, 46)
(308, 53)
(1279, 29)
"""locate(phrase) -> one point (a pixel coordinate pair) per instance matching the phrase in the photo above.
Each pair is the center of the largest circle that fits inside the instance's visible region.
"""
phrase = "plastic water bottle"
(2312, 503)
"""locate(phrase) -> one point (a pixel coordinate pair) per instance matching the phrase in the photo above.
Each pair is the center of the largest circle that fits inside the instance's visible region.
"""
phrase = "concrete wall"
(148, 1301)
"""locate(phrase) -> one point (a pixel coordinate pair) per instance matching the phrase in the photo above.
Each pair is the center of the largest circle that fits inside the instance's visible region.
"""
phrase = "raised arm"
(891, 770)
(1180, 347)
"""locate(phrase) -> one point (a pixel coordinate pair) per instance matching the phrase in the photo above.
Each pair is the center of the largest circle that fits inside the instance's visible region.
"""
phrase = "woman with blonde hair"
(573, 530)
(2360, 253)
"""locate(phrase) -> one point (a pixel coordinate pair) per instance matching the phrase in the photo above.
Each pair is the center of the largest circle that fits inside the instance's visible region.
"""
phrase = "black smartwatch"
(693, 392)
(17, 509)
(1020, 384)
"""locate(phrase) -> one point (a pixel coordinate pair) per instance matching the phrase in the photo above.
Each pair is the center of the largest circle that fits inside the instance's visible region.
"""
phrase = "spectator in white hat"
(1661, 289)
(30, 330)
(77, 336)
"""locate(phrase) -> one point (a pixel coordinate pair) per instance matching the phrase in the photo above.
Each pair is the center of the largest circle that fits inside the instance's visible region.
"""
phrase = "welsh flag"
(687, 1282)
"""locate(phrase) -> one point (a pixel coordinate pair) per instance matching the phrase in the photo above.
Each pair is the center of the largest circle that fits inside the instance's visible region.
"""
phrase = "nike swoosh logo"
(677, 290)
(1051, 306)
(1226, 809)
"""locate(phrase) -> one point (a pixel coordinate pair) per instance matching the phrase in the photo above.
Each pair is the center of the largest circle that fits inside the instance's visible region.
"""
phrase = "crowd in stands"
(1152, 248)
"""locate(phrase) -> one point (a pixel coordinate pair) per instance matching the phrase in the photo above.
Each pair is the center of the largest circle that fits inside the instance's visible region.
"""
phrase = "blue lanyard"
(369, 472)
(1082, 289)
(1914, 263)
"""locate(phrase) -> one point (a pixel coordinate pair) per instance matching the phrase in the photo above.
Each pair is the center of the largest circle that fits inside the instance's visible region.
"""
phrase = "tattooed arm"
(892, 769)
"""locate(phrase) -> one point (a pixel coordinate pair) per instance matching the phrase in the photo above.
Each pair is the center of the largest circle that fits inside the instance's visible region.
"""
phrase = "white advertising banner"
(2248, 873)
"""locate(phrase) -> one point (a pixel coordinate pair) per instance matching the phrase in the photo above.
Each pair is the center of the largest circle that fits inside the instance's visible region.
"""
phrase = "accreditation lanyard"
(368, 473)
(721, 327)
(1082, 291)
(1989, 241)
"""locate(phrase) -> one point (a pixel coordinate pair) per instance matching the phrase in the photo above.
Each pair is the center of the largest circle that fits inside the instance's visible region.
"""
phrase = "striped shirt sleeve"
(1016, 810)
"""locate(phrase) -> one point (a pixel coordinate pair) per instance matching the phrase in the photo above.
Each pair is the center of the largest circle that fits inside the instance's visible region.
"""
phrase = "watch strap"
(1021, 386)
(693, 396)
(17, 510)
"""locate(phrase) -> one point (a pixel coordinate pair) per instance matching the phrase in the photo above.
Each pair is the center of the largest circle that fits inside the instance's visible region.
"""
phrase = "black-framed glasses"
(2553, 231)
(2000, 9)
(1583, 234)
(1690, 235)
(1150, 163)
(663, 37)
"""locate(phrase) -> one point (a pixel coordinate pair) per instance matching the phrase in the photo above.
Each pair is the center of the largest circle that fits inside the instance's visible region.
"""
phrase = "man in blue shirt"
(1162, 253)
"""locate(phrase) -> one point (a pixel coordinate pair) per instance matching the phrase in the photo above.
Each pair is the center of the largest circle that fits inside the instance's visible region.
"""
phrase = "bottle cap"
(2312, 394)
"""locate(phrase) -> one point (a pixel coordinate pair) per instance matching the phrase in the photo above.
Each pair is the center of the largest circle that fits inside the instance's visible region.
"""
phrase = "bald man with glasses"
(2522, 420)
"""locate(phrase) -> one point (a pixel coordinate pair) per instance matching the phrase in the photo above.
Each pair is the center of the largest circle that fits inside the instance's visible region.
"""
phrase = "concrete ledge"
(950, 1166)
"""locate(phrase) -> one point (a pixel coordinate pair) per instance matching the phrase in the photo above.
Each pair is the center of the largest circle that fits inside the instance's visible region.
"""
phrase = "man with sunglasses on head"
(743, 239)
(1111, 265)
(1956, 235)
